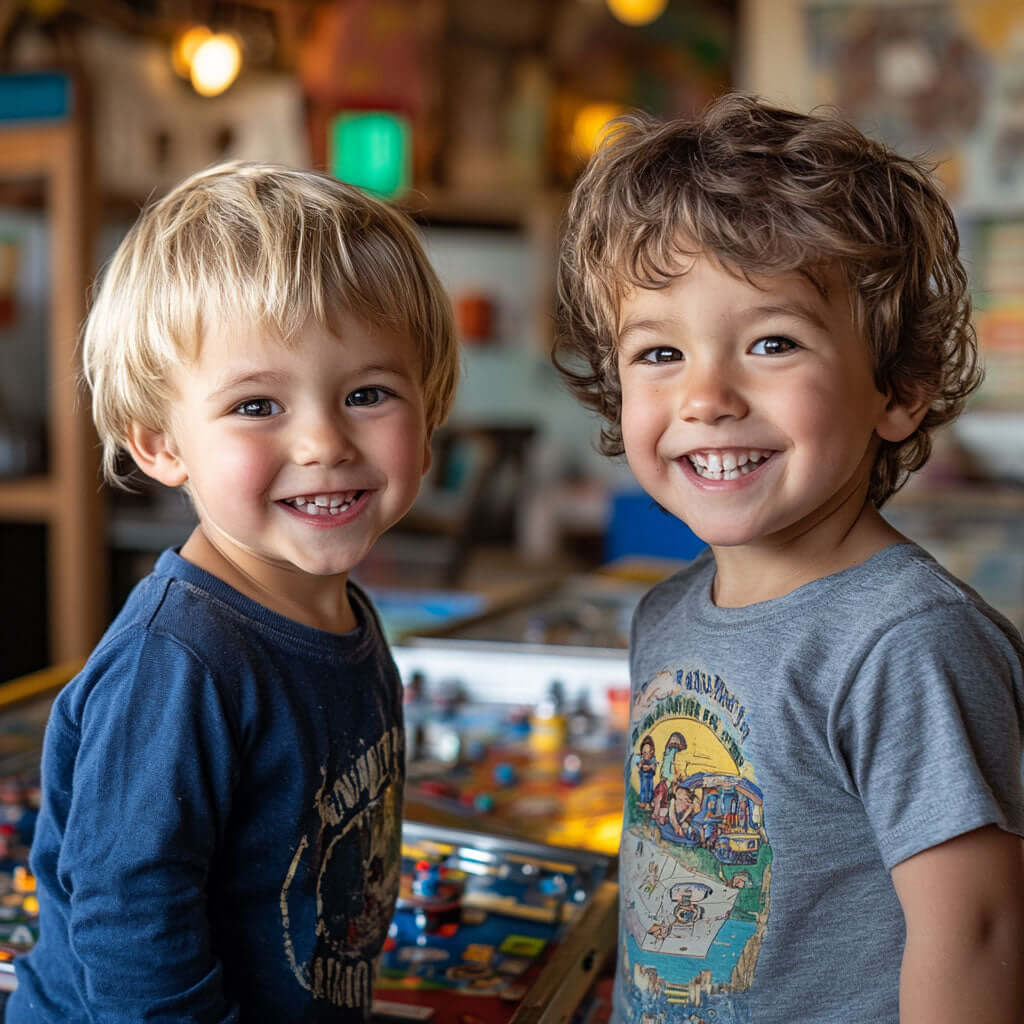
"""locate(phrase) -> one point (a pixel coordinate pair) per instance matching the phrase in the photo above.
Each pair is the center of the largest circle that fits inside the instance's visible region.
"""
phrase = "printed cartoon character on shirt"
(695, 855)
(674, 747)
(647, 767)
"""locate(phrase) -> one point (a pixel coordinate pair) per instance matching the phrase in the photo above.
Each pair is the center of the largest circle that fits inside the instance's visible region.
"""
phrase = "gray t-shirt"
(783, 757)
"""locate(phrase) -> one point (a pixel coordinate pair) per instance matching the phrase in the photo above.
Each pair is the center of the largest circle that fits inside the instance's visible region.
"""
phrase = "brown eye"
(661, 355)
(364, 397)
(256, 408)
(773, 346)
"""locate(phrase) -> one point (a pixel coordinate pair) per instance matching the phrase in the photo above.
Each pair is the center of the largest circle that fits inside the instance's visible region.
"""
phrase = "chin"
(326, 569)
(719, 535)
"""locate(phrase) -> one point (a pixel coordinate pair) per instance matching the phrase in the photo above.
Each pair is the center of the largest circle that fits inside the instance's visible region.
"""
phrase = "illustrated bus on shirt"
(728, 822)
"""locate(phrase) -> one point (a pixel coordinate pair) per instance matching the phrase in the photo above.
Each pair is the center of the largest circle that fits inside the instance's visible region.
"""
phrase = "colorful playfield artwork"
(508, 770)
(479, 920)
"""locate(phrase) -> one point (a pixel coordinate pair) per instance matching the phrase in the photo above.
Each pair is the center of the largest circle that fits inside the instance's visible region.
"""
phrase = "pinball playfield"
(516, 718)
(489, 930)
(516, 771)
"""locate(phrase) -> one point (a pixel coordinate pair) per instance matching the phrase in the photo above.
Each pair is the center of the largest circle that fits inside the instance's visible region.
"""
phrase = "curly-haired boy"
(769, 312)
(219, 837)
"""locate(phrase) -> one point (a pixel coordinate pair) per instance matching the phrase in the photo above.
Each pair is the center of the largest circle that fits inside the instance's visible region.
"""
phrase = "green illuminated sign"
(370, 149)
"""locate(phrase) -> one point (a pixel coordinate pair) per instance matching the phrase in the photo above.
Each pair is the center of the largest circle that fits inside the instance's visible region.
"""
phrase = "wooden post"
(68, 500)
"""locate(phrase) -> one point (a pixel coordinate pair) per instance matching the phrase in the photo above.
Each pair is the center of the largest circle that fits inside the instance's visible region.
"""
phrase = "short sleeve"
(929, 731)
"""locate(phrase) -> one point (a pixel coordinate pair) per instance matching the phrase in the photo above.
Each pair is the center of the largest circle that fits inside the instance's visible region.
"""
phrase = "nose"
(322, 440)
(710, 394)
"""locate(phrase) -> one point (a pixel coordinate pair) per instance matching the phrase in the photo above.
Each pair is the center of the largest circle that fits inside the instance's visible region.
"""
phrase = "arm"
(964, 906)
(152, 785)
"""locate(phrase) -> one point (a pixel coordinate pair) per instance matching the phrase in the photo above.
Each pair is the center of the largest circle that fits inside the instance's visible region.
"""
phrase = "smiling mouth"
(728, 464)
(324, 504)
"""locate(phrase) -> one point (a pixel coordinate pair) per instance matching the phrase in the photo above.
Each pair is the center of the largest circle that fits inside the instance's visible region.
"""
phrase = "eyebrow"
(794, 309)
(398, 369)
(641, 327)
(791, 309)
(267, 377)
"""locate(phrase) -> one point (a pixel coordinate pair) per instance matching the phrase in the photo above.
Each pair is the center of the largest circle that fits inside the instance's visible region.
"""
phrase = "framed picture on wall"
(944, 80)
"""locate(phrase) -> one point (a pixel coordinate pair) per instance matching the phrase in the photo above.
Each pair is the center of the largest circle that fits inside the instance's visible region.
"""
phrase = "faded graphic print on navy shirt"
(353, 859)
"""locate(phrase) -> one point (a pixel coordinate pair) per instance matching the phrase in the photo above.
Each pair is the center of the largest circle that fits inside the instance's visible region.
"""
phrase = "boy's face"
(298, 458)
(749, 410)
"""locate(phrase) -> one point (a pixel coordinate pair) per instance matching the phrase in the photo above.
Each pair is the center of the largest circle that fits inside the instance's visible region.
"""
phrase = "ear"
(155, 454)
(900, 419)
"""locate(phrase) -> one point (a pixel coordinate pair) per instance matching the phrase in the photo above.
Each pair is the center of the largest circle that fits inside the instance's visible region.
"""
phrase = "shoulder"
(904, 591)
(922, 646)
(690, 583)
(133, 665)
(169, 641)
(173, 599)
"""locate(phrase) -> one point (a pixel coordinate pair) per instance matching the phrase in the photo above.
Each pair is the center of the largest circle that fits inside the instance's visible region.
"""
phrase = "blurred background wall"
(476, 119)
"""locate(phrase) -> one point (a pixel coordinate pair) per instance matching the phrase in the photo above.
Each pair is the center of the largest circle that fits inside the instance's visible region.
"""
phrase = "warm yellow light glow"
(185, 47)
(590, 125)
(637, 12)
(216, 64)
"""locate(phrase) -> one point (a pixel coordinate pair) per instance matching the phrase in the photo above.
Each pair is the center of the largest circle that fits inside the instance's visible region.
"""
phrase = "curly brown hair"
(769, 191)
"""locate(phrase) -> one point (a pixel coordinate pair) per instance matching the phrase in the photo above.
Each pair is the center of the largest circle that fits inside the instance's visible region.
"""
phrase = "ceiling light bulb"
(637, 12)
(185, 46)
(216, 64)
(590, 126)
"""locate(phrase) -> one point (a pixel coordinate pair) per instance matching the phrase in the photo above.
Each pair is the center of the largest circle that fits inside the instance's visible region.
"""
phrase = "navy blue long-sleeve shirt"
(219, 837)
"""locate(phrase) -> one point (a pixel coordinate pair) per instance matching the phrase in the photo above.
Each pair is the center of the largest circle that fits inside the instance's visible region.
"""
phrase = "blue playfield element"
(405, 611)
(372, 150)
(638, 526)
(35, 96)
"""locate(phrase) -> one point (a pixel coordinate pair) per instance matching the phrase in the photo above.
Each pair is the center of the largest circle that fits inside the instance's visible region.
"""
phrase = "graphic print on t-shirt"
(695, 861)
(353, 863)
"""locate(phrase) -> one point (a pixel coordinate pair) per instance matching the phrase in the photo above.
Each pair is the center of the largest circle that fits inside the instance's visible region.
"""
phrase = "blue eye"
(363, 397)
(661, 355)
(257, 408)
(773, 346)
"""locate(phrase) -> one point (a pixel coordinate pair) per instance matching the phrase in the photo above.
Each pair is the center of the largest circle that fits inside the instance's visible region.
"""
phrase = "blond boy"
(219, 837)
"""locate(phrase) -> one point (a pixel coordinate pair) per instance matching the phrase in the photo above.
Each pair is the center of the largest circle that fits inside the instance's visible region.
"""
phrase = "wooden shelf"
(516, 208)
(27, 499)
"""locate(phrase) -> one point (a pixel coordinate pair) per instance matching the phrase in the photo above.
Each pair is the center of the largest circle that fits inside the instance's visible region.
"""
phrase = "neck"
(850, 535)
(325, 607)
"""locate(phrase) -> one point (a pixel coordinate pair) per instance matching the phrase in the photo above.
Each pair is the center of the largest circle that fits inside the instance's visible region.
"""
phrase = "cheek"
(241, 466)
(640, 421)
(400, 450)
(812, 411)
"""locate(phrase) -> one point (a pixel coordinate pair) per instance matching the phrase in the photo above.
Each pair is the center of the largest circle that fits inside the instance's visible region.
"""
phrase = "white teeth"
(324, 504)
(728, 465)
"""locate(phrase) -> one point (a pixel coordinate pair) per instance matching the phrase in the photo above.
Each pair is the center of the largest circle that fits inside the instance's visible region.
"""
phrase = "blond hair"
(765, 190)
(261, 245)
